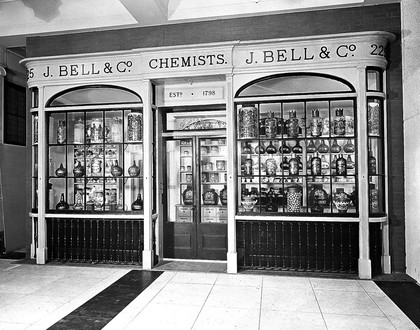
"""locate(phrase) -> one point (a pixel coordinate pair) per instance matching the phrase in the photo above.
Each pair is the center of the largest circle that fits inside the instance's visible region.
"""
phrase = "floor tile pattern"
(197, 300)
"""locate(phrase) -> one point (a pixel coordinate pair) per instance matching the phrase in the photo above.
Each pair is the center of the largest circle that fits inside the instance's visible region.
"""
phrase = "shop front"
(266, 154)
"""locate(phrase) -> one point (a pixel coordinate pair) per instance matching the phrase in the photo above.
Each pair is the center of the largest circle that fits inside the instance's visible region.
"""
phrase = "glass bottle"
(293, 165)
(315, 124)
(271, 149)
(374, 118)
(116, 170)
(323, 148)
(61, 171)
(349, 163)
(137, 205)
(335, 147)
(78, 170)
(373, 198)
(188, 196)
(341, 166)
(372, 163)
(248, 166)
(284, 165)
(339, 123)
(133, 170)
(259, 149)
(325, 165)
(261, 125)
(334, 165)
(311, 147)
(349, 147)
(309, 164)
(62, 204)
(280, 126)
(116, 130)
(292, 125)
(61, 132)
(297, 149)
(316, 165)
(284, 148)
(223, 195)
(79, 132)
(271, 207)
(246, 149)
(271, 126)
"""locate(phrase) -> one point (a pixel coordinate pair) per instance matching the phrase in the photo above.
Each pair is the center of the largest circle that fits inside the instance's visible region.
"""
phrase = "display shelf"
(297, 147)
(95, 161)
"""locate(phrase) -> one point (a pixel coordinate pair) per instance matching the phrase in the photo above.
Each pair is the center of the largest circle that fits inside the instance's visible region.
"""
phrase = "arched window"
(94, 95)
(290, 84)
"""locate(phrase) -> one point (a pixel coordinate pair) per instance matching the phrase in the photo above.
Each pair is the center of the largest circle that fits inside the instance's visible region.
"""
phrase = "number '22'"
(377, 50)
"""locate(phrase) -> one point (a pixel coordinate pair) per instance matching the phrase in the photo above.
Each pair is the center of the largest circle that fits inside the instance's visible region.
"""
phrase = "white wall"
(411, 105)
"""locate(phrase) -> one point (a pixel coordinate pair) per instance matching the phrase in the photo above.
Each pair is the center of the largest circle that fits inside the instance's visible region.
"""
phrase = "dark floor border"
(405, 294)
(101, 309)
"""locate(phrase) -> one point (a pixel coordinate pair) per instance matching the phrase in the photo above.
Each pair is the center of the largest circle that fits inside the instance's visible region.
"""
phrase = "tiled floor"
(36, 297)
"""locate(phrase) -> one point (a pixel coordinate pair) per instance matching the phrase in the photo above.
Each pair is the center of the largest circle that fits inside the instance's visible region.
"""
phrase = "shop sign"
(186, 60)
(183, 94)
(82, 69)
(307, 53)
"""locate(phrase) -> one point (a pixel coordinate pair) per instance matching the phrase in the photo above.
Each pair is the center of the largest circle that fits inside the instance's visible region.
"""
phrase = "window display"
(95, 160)
(297, 157)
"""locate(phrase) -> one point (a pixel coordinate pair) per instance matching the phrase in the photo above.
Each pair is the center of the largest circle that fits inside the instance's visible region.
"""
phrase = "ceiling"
(22, 18)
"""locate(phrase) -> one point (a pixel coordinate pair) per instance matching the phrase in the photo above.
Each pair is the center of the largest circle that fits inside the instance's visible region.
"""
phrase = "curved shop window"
(297, 147)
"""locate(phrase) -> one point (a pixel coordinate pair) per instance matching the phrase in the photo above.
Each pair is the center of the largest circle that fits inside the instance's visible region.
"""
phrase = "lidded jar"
(293, 198)
(270, 166)
(134, 126)
(292, 125)
(293, 165)
(248, 122)
(79, 132)
(61, 132)
(339, 123)
(315, 125)
(271, 126)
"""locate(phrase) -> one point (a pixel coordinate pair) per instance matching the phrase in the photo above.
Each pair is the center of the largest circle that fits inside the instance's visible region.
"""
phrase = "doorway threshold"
(186, 265)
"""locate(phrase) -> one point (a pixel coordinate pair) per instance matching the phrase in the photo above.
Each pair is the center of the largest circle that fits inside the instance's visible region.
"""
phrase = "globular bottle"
(349, 147)
(284, 148)
(335, 147)
(349, 163)
(271, 126)
(297, 149)
(284, 165)
(62, 204)
(271, 149)
(259, 149)
(137, 205)
(316, 165)
(311, 147)
(323, 148)
(116, 170)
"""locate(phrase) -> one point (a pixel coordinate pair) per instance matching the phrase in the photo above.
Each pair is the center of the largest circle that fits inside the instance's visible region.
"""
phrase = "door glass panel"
(180, 180)
(213, 179)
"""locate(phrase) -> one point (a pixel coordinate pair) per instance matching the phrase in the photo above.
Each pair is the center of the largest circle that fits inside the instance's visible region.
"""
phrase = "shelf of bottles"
(297, 158)
(95, 161)
(213, 179)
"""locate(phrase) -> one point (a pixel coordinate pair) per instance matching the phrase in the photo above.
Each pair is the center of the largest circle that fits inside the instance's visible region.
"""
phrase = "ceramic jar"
(188, 196)
(293, 198)
(271, 126)
(134, 126)
(78, 170)
(315, 124)
(270, 166)
(292, 125)
(248, 203)
(61, 132)
(374, 118)
(318, 196)
(341, 202)
(248, 122)
(339, 123)
(210, 197)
